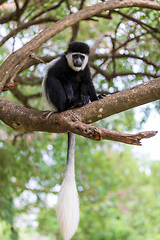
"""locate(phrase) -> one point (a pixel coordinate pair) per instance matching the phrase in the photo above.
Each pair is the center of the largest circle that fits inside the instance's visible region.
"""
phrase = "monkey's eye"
(77, 56)
(81, 57)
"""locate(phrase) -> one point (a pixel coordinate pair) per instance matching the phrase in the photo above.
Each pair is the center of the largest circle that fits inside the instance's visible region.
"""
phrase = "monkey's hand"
(84, 99)
(72, 104)
(78, 102)
(101, 96)
(70, 96)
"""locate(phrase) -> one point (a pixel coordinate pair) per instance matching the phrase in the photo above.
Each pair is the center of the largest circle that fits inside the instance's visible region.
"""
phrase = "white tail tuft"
(68, 207)
(68, 202)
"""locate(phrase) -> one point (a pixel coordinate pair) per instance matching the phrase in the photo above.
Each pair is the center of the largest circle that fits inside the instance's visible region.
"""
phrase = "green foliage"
(117, 200)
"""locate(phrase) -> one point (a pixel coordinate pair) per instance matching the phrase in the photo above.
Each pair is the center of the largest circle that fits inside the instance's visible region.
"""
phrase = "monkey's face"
(77, 61)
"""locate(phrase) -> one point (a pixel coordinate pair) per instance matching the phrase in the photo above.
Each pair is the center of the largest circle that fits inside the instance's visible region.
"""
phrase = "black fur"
(66, 88)
(78, 47)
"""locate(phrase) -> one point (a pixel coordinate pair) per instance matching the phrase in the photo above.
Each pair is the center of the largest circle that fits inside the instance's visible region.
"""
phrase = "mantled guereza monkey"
(68, 84)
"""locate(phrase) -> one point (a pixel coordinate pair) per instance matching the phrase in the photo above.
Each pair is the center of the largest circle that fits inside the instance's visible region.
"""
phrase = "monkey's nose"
(77, 63)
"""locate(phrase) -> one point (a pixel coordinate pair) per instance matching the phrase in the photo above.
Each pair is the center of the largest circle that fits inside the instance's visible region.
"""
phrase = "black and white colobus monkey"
(68, 84)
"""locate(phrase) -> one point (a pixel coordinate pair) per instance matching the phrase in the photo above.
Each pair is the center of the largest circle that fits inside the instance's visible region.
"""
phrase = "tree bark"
(76, 120)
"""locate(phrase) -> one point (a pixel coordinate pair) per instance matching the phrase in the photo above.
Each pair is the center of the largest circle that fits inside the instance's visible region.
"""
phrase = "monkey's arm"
(87, 87)
(55, 93)
(59, 81)
(68, 89)
(92, 91)
(88, 92)
(81, 98)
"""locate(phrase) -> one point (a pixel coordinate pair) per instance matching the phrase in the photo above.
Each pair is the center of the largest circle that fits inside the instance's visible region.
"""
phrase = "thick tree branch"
(76, 120)
(15, 58)
(121, 101)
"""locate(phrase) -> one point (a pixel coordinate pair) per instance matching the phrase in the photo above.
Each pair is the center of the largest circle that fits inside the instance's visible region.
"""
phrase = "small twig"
(81, 4)
(96, 44)
(19, 95)
(17, 69)
(10, 85)
(17, 10)
(142, 24)
(113, 54)
(130, 40)
(26, 25)
(124, 55)
(99, 70)
(18, 135)
(33, 56)
(47, 10)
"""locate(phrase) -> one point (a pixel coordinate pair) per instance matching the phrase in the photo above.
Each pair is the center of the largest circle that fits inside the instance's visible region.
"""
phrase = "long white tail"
(68, 202)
